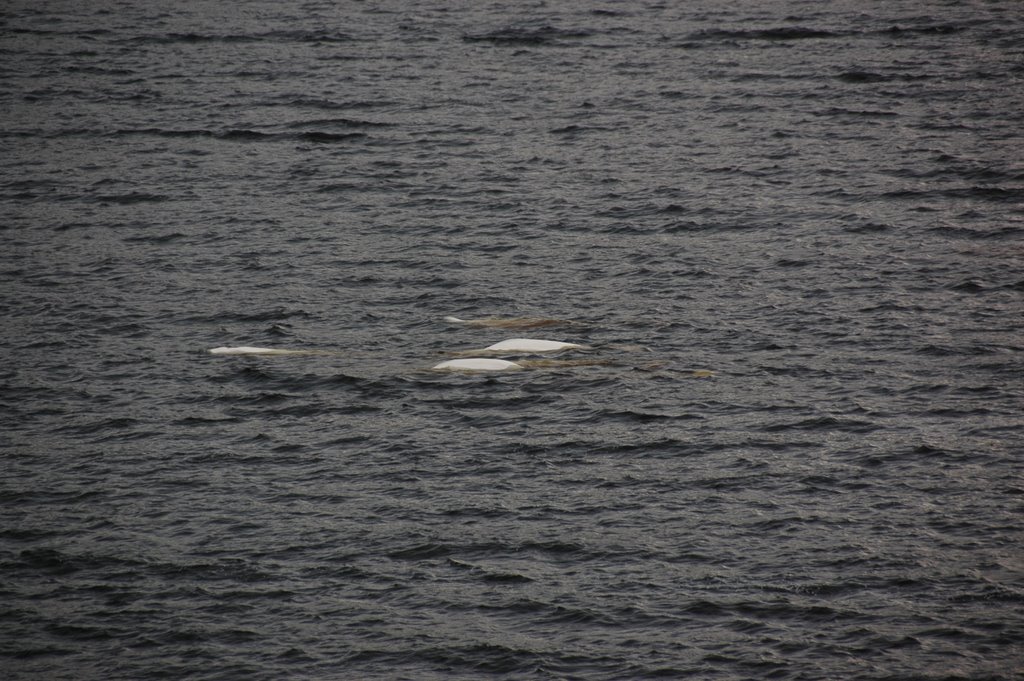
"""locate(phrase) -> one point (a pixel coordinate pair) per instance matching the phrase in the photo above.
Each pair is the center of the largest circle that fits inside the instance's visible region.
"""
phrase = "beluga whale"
(526, 346)
(508, 323)
(477, 364)
(531, 345)
(250, 350)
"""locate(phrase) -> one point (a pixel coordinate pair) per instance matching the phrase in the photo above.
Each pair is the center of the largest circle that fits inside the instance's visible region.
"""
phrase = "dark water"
(822, 203)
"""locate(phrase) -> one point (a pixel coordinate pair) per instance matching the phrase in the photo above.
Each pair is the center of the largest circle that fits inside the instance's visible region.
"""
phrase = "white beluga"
(530, 345)
(508, 322)
(250, 350)
(521, 346)
(477, 364)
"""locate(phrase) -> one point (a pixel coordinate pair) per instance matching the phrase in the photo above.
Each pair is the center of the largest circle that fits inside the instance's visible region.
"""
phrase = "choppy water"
(821, 203)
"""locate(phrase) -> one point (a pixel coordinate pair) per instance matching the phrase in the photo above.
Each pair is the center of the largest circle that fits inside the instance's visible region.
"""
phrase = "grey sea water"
(819, 204)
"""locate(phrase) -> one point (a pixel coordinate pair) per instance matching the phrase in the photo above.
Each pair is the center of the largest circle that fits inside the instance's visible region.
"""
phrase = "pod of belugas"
(469, 364)
(477, 364)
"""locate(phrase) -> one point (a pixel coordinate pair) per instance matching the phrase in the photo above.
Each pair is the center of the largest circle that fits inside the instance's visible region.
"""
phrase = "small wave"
(933, 29)
(574, 129)
(780, 33)
(825, 423)
(862, 77)
(859, 113)
(99, 71)
(489, 574)
(297, 36)
(967, 350)
(81, 33)
(965, 232)
(129, 199)
(341, 122)
(102, 426)
(638, 416)
(524, 36)
(965, 169)
(167, 238)
(198, 421)
(307, 136)
(329, 137)
(986, 193)
(248, 135)
(868, 228)
(329, 104)
(978, 286)
(274, 314)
